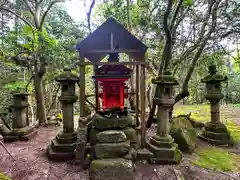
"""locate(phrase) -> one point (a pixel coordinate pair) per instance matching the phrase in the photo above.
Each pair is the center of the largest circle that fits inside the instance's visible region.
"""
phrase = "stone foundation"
(165, 150)
(216, 134)
(114, 150)
(62, 147)
(22, 134)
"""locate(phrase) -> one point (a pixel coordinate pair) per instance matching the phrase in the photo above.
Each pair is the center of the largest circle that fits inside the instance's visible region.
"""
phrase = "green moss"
(218, 159)
(234, 130)
(4, 177)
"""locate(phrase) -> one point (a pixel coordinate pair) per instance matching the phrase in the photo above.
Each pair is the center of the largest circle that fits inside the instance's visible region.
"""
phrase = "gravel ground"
(32, 164)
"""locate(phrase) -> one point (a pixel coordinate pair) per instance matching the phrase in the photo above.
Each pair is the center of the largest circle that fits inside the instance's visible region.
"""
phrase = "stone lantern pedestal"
(162, 144)
(20, 127)
(215, 132)
(63, 146)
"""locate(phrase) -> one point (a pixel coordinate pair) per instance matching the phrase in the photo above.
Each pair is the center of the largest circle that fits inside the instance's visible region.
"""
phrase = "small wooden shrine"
(112, 81)
(111, 38)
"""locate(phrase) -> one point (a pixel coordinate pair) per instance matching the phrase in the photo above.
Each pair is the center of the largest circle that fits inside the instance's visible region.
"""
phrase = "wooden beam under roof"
(107, 51)
(111, 63)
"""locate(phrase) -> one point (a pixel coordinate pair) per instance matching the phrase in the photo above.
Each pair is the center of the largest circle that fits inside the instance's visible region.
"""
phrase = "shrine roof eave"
(106, 38)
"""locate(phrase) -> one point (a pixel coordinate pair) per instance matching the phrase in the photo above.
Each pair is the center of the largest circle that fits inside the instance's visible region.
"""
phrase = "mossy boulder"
(111, 136)
(111, 169)
(111, 150)
(183, 133)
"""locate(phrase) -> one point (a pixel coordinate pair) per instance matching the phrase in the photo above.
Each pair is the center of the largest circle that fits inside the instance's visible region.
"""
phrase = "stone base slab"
(22, 134)
(11, 138)
(164, 151)
(62, 146)
(58, 156)
(144, 154)
(111, 169)
(216, 134)
(28, 136)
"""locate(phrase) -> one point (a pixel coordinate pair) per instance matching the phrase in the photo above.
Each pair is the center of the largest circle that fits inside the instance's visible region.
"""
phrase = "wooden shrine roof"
(111, 36)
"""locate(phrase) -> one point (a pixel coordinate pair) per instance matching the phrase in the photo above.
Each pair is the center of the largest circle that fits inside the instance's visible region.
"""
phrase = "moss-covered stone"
(104, 123)
(111, 169)
(217, 134)
(111, 136)
(111, 150)
(183, 133)
(131, 136)
(93, 136)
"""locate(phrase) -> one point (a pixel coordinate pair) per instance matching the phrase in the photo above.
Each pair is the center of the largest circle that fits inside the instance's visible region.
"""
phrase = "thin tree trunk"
(41, 112)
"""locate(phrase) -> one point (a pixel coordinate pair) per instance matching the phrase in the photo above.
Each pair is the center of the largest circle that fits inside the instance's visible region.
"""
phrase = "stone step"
(28, 136)
(144, 154)
(219, 136)
(164, 161)
(57, 147)
(162, 143)
(58, 156)
(215, 141)
(66, 139)
(10, 138)
(162, 152)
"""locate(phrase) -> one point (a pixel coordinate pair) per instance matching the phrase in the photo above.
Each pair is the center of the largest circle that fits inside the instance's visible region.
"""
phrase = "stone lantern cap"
(18, 93)
(213, 77)
(67, 75)
(165, 79)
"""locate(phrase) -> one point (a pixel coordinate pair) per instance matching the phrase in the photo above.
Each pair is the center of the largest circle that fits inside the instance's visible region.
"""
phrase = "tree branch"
(17, 15)
(212, 10)
(175, 14)
(89, 12)
(28, 6)
(48, 9)
(167, 53)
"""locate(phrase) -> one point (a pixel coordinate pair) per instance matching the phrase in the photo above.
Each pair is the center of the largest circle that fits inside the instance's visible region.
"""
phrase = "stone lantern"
(20, 127)
(162, 144)
(215, 132)
(63, 146)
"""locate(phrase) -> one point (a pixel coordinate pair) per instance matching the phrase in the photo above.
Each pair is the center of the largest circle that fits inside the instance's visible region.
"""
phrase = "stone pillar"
(162, 144)
(215, 132)
(63, 146)
(20, 129)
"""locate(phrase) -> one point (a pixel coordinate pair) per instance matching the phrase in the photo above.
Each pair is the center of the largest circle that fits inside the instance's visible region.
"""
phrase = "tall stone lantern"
(215, 132)
(162, 144)
(63, 146)
(20, 127)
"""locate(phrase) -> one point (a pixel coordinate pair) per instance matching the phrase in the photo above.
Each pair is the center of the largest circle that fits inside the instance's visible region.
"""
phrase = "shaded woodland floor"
(32, 163)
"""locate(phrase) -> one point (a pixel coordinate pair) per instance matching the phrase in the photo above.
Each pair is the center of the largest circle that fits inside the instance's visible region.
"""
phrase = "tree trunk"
(41, 112)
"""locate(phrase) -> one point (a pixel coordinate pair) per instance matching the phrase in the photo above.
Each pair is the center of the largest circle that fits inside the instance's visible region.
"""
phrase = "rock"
(183, 133)
(93, 136)
(111, 150)
(144, 154)
(131, 155)
(104, 123)
(111, 136)
(131, 136)
(1, 138)
(111, 169)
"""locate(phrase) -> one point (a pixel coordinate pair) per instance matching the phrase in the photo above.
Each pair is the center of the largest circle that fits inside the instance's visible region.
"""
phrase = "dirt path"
(32, 164)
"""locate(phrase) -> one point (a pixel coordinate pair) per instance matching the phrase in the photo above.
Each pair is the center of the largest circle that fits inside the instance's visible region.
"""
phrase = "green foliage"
(188, 2)
(4, 177)
(15, 85)
(217, 159)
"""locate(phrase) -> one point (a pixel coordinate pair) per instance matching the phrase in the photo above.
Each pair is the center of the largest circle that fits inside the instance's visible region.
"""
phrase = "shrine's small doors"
(112, 96)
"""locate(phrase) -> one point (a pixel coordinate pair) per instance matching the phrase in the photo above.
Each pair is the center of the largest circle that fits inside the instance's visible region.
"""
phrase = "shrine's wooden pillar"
(82, 87)
(143, 101)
